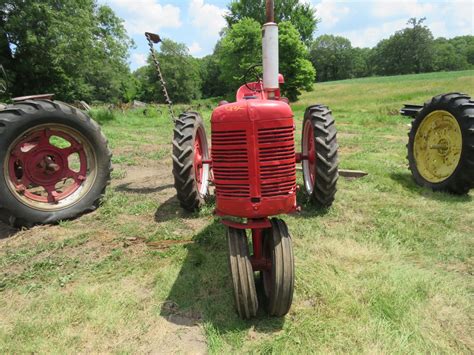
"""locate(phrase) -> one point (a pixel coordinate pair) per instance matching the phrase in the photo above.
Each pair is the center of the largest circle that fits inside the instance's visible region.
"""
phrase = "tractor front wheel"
(319, 150)
(441, 144)
(241, 271)
(190, 153)
(279, 280)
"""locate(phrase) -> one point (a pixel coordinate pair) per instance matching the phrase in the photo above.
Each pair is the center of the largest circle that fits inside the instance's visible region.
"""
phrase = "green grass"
(388, 269)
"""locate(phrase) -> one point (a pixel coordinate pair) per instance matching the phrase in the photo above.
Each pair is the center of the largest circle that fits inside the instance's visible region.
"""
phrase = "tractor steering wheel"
(252, 70)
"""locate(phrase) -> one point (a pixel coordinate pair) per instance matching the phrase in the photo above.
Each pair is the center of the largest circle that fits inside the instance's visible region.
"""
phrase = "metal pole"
(270, 10)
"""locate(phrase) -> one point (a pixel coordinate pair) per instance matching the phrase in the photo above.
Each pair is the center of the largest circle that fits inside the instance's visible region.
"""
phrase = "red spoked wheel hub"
(201, 162)
(198, 156)
(309, 152)
(48, 167)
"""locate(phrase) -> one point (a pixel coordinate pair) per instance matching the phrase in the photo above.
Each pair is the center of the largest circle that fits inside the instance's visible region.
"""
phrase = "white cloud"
(370, 36)
(331, 12)
(194, 48)
(148, 15)
(139, 59)
(207, 17)
(405, 8)
(462, 14)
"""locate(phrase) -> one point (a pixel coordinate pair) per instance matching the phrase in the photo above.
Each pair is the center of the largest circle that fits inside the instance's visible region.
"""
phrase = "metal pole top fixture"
(270, 9)
(153, 37)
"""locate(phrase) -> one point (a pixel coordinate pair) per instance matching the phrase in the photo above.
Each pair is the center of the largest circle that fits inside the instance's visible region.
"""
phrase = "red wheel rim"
(45, 175)
(198, 168)
(310, 151)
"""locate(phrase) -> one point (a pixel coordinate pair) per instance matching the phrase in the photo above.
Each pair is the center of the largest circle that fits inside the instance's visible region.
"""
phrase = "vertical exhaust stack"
(270, 52)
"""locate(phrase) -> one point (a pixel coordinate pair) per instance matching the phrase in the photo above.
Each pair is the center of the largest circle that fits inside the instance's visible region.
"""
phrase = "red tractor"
(253, 162)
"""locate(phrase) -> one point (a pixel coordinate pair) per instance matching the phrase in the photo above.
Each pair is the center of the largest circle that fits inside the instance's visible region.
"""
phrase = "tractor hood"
(252, 110)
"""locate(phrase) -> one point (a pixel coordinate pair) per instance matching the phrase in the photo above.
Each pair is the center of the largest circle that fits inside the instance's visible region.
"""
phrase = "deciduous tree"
(180, 71)
(332, 56)
(241, 47)
(301, 15)
(410, 50)
(75, 49)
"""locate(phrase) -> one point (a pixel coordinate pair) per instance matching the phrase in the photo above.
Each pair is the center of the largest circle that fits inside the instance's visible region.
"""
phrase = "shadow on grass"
(171, 209)
(6, 231)
(407, 182)
(308, 208)
(203, 291)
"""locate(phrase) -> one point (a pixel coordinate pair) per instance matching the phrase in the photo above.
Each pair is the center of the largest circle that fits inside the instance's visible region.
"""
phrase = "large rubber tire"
(320, 178)
(461, 107)
(188, 128)
(279, 282)
(24, 116)
(245, 294)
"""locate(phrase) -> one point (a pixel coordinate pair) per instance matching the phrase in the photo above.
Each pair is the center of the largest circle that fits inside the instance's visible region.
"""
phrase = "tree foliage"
(180, 71)
(301, 15)
(447, 57)
(210, 76)
(407, 51)
(360, 66)
(294, 64)
(75, 49)
(332, 56)
(240, 48)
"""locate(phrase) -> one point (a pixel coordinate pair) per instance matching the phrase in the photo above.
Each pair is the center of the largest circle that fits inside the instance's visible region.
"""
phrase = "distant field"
(388, 269)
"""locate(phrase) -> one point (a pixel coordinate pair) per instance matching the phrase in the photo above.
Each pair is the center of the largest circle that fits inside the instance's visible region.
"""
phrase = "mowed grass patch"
(388, 269)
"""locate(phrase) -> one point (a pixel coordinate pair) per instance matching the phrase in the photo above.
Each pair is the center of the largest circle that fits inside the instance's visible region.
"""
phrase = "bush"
(102, 115)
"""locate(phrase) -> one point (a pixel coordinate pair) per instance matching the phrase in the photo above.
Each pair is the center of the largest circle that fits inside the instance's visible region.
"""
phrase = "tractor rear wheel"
(320, 161)
(441, 144)
(55, 163)
(279, 281)
(190, 151)
(241, 271)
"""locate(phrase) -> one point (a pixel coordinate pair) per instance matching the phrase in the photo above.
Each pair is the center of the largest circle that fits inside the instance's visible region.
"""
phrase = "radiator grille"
(275, 135)
(230, 163)
(277, 161)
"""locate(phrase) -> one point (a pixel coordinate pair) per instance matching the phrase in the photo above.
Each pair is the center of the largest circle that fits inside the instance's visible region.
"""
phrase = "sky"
(197, 23)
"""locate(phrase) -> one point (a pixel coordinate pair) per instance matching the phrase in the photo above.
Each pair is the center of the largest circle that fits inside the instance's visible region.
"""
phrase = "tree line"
(411, 50)
(80, 50)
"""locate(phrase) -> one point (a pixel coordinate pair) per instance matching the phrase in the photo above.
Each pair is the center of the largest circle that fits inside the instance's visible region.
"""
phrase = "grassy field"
(388, 269)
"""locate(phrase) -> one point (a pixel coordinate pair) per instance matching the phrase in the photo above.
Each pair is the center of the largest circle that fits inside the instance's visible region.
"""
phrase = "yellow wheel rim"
(437, 147)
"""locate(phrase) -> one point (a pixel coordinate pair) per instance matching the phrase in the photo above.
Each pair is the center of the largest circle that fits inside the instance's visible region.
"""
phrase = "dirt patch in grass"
(32, 237)
(177, 335)
(151, 179)
(393, 138)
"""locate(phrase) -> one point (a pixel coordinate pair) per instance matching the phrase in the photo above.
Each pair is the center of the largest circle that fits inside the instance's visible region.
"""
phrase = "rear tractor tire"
(441, 144)
(319, 146)
(54, 160)
(190, 149)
